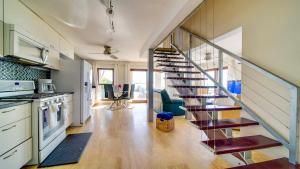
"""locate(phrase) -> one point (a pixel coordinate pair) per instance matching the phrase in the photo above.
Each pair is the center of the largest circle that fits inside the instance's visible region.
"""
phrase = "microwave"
(23, 47)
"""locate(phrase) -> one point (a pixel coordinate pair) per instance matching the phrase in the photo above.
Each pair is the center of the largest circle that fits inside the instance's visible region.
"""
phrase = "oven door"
(51, 124)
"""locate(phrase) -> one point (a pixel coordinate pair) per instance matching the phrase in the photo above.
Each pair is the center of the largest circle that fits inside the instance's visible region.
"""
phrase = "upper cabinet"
(1, 28)
(66, 48)
(18, 14)
(15, 12)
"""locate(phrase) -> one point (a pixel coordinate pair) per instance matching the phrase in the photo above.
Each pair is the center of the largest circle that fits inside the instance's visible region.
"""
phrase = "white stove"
(48, 116)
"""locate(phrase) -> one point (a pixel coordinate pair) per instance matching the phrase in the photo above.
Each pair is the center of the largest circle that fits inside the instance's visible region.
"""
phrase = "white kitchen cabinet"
(16, 113)
(66, 48)
(68, 105)
(1, 28)
(53, 61)
(15, 136)
(17, 13)
(18, 156)
(1, 9)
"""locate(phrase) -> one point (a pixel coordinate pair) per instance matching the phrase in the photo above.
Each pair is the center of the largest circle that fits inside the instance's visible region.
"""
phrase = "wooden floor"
(123, 139)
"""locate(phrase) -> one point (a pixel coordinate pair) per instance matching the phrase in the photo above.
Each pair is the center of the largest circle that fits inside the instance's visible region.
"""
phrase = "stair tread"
(179, 66)
(189, 86)
(281, 163)
(165, 53)
(168, 57)
(239, 144)
(171, 61)
(186, 78)
(211, 108)
(179, 71)
(202, 96)
(223, 123)
(165, 50)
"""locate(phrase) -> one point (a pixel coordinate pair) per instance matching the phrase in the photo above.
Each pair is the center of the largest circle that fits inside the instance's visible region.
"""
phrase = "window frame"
(113, 75)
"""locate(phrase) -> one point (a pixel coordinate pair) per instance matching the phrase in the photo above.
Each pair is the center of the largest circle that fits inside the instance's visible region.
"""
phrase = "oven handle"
(43, 107)
(46, 107)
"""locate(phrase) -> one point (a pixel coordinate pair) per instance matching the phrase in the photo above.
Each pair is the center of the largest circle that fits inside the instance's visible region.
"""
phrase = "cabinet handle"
(9, 128)
(8, 111)
(13, 153)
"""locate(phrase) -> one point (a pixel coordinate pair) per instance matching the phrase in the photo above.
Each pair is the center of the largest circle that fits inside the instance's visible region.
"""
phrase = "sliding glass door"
(139, 78)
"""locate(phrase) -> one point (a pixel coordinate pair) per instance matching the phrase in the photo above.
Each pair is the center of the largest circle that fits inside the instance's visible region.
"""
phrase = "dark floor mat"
(68, 151)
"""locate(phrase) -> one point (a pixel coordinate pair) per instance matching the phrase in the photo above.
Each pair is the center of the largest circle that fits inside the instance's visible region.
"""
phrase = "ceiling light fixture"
(110, 14)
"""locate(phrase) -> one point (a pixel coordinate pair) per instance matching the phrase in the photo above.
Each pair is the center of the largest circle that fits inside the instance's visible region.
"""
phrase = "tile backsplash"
(15, 71)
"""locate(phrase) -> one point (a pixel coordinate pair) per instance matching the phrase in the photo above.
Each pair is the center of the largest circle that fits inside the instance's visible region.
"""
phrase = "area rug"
(68, 151)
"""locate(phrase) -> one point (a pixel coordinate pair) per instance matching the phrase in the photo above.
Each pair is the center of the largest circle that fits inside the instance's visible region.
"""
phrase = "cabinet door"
(1, 27)
(14, 134)
(53, 59)
(18, 14)
(17, 157)
(66, 48)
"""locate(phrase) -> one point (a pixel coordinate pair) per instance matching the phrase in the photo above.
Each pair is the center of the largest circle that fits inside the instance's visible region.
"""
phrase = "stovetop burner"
(33, 96)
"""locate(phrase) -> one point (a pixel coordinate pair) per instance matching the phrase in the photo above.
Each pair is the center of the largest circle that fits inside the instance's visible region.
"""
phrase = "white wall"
(121, 68)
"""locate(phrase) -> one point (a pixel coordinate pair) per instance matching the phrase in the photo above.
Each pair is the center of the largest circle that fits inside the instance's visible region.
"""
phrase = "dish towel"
(53, 109)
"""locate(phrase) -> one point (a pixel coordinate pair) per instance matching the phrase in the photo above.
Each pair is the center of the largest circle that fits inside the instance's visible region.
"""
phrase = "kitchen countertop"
(10, 103)
(68, 92)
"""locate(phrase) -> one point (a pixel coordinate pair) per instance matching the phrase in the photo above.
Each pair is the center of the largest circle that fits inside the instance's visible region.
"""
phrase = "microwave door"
(28, 49)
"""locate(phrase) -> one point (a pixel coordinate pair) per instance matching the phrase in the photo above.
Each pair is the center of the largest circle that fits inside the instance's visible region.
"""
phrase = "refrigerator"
(76, 76)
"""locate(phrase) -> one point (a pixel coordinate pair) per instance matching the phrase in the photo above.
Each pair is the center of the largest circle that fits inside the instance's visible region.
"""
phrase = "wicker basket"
(165, 125)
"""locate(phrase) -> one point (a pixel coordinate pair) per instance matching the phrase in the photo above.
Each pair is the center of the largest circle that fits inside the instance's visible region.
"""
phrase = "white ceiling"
(138, 23)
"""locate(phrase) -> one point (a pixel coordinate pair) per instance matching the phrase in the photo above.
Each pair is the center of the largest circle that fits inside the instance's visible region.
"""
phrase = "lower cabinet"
(15, 136)
(18, 156)
(68, 108)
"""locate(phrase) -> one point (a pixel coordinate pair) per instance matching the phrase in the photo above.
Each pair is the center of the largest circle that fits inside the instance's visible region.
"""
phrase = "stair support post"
(150, 85)
(220, 71)
(294, 123)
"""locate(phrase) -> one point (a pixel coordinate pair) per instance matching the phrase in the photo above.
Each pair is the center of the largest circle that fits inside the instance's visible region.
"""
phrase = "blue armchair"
(172, 105)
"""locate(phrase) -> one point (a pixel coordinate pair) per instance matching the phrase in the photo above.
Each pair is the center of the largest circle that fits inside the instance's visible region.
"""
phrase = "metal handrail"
(281, 139)
(292, 143)
(244, 61)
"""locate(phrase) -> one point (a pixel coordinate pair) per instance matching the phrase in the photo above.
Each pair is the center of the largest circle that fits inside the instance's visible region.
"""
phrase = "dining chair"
(111, 96)
(107, 88)
(131, 95)
(125, 90)
(132, 87)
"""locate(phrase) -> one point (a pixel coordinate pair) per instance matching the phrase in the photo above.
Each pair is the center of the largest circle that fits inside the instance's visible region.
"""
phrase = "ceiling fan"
(108, 51)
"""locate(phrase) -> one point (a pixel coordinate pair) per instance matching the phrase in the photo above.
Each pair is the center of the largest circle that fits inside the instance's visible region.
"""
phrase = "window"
(106, 76)
(214, 74)
(158, 80)
(138, 77)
